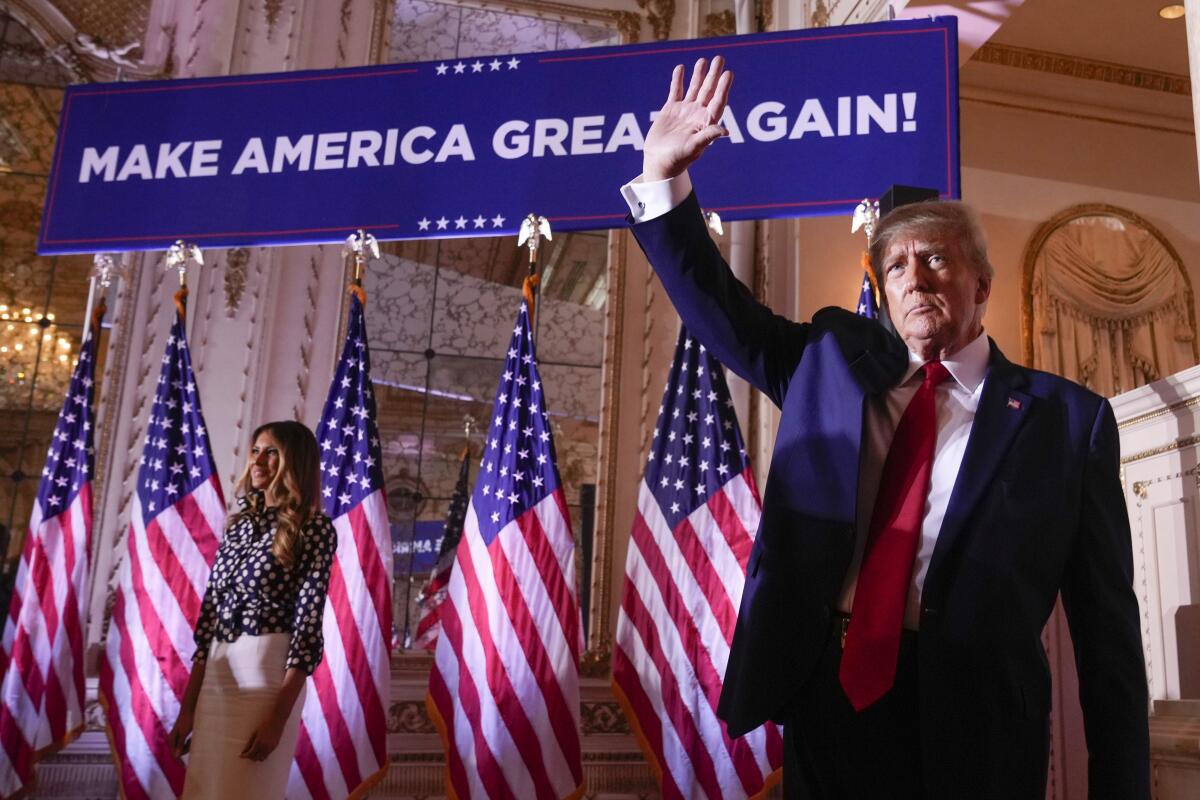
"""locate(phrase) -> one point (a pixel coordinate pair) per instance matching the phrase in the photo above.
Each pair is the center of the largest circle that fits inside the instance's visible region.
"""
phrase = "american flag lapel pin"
(1014, 404)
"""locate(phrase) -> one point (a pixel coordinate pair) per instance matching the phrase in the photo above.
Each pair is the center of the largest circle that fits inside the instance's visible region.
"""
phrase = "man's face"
(935, 294)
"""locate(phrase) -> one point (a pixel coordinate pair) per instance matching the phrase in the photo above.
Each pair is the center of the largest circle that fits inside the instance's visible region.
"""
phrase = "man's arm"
(715, 307)
(1102, 612)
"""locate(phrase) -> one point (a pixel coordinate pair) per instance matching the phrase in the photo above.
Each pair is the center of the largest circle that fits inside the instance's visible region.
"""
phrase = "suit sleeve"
(720, 311)
(1102, 612)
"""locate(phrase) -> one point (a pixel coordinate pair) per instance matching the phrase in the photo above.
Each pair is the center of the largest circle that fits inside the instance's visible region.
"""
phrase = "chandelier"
(30, 349)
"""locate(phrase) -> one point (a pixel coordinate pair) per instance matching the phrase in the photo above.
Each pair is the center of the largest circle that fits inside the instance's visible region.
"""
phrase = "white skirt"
(241, 681)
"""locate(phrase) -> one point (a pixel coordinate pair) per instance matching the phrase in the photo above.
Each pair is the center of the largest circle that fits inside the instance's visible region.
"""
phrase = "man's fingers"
(710, 80)
(698, 73)
(247, 751)
(704, 137)
(675, 93)
(716, 106)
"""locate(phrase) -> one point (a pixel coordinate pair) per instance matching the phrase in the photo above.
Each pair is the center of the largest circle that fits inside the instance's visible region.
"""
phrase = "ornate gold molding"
(595, 661)
(721, 23)
(1178, 444)
(1083, 68)
(1038, 240)
(1189, 402)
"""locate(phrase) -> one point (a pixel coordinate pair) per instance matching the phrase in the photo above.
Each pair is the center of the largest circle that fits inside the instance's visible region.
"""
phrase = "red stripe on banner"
(145, 715)
(445, 706)
(526, 627)
(357, 664)
(310, 766)
(706, 673)
(158, 640)
(644, 718)
(131, 788)
(174, 576)
(740, 540)
(673, 704)
(335, 723)
(485, 761)
(375, 578)
(720, 607)
(503, 692)
(18, 749)
(561, 595)
(42, 584)
(205, 538)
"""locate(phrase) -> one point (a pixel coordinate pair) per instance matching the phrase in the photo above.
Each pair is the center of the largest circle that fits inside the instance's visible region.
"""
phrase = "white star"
(702, 466)
(459, 68)
(537, 481)
(668, 459)
(480, 221)
(678, 485)
(688, 438)
(674, 508)
(326, 491)
(198, 451)
(172, 490)
(497, 221)
(722, 469)
(477, 66)
(460, 223)
(665, 482)
(523, 453)
(513, 62)
(441, 69)
(442, 222)
(325, 445)
(512, 497)
(724, 446)
(684, 461)
(495, 517)
(700, 488)
(423, 224)
(344, 498)
(194, 472)
(541, 459)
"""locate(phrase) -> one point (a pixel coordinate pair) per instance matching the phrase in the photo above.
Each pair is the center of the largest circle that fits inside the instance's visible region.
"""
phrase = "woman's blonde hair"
(296, 486)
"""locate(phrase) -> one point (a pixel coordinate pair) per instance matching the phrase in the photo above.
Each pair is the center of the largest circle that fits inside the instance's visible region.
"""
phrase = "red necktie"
(868, 666)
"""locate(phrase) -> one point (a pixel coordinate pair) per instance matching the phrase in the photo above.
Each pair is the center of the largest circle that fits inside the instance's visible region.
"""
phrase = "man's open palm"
(687, 123)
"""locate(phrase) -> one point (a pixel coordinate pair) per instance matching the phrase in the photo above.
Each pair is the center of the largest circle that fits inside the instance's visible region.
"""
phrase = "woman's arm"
(266, 738)
(187, 710)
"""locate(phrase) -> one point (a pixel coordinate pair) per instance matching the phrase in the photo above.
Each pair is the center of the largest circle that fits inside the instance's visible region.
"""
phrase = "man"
(927, 502)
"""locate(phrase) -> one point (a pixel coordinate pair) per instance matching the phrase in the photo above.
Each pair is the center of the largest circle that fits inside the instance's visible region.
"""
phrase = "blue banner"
(818, 119)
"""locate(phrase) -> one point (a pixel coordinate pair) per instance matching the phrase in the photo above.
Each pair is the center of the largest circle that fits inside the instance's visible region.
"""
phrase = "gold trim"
(1083, 68)
(1034, 247)
(1161, 412)
(1178, 444)
(596, 660)
(1068, 115)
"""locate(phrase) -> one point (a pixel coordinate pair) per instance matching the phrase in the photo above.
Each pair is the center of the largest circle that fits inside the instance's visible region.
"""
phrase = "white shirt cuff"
(648, 200)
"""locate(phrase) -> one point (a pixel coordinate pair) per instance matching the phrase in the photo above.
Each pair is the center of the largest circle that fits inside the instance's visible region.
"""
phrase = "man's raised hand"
(687, 123)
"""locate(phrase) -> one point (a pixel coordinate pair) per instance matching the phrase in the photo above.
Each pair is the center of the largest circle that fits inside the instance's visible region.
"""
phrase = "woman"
(259, 632)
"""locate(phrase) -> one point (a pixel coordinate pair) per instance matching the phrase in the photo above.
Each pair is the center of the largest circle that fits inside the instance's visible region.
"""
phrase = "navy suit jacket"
(1037, 509)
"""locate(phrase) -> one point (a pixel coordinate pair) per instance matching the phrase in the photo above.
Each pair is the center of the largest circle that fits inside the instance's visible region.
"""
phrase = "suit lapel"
(1002, 409)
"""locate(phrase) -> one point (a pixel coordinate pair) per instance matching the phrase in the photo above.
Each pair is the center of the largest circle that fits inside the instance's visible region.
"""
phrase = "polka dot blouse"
(250, 593)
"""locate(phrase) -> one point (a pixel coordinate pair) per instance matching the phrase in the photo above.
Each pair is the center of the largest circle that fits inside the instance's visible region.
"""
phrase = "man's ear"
(983, 289)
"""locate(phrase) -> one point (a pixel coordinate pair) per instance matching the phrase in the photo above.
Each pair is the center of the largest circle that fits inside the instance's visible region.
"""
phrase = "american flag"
(434, 593)
(867, 307)
(177, 521)
(505, 684)
(342, 748)
(698, 512)
(41, 698)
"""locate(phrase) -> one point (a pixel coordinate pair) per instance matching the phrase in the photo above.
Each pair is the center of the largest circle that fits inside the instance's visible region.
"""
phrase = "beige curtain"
(1110, 306)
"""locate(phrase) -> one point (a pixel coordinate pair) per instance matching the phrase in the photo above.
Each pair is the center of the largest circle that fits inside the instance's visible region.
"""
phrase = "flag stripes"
(504, 691)
(342, 746)
(41, 695)
(697, 513)
(176, 524)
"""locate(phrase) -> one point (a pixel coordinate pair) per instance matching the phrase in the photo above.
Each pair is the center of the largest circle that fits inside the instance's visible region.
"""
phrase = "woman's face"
(264, 460)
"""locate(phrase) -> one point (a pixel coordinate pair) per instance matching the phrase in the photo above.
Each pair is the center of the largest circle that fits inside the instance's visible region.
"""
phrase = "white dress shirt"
(955, 401)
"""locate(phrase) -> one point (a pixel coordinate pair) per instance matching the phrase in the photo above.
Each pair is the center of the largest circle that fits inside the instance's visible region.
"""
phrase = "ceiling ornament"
(659, 13)
(820, 15)
(236, 262)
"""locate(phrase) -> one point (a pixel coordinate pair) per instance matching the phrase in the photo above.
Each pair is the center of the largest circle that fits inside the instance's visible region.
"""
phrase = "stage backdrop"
(818, 120)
